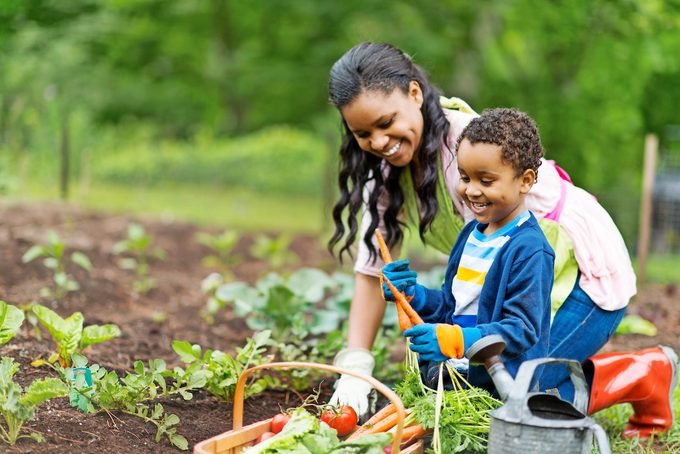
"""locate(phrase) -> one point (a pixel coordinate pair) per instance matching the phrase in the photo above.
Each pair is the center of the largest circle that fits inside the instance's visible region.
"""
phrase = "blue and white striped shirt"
(478, 256)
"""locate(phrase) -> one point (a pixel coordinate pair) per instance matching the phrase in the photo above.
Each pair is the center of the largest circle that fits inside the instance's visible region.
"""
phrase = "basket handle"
(239, 393)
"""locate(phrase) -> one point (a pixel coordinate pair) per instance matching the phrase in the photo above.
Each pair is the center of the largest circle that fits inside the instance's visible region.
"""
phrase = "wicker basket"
(240, 437)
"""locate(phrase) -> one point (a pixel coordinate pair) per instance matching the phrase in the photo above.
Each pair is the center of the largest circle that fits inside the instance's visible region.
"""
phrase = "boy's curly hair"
(514, 131)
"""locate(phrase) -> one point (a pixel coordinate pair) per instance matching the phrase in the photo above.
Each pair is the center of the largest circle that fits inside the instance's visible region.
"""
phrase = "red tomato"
(279, 421)
(264, 436)
(343, 420)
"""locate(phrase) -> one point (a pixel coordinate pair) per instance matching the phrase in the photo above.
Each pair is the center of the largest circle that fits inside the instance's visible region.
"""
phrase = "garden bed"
(150, 322)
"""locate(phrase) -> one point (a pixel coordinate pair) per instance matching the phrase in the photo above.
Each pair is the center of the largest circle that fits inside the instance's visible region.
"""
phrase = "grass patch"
(203, 205)
(662, 268)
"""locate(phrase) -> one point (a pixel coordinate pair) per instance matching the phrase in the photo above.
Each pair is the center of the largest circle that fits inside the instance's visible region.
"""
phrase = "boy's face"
(388, 126)
(489, 186)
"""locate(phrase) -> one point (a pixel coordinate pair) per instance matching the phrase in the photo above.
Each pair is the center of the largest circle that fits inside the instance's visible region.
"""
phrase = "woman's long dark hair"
(383, 67)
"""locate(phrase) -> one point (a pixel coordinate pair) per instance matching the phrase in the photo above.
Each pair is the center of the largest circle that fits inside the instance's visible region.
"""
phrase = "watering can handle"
(528, 368)
(601, 438)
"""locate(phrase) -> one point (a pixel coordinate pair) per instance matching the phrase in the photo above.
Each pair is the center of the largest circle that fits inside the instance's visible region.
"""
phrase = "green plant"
(165, 424)
(209, 286)
(53, 255)
(131, 393)
(11, 318)
(69, 334)
(223, 370)
(286, 306)
(305, 312)
(17, 405)
(222, 245)
(139, 246)
(27, 310)
(459, 417)
(275, 251)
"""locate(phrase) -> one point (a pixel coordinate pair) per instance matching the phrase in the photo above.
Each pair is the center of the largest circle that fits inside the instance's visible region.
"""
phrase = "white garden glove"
(353, 391)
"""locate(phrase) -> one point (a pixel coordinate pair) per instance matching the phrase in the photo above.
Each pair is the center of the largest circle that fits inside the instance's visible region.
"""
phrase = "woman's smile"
(392, 151)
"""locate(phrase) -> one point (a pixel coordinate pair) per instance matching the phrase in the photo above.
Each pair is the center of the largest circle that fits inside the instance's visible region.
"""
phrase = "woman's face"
(388, 126)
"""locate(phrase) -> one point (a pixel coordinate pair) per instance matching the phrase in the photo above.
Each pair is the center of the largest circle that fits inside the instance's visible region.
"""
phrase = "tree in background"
(597, 75)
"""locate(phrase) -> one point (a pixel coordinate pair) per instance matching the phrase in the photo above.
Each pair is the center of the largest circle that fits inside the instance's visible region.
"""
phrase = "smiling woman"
(388, 125)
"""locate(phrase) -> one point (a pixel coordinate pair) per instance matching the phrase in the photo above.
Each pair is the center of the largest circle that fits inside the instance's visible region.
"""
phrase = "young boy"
(500, 271)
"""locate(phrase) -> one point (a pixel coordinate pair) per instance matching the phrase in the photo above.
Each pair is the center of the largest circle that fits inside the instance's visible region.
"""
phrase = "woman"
(397, 168)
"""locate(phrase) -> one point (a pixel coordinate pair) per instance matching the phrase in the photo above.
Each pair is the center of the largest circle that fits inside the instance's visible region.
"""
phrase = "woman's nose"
(379, 142)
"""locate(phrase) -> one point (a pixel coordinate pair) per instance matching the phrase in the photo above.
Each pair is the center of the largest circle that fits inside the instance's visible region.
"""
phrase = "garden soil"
(150, 322)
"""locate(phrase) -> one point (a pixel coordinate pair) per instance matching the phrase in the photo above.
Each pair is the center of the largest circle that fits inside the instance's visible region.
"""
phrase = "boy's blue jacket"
(514, 301)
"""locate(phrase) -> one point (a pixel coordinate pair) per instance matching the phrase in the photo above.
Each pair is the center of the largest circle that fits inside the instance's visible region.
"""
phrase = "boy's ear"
(528, 178)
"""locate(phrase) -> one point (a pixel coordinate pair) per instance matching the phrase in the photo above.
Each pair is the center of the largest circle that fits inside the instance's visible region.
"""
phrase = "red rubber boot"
(645, 379)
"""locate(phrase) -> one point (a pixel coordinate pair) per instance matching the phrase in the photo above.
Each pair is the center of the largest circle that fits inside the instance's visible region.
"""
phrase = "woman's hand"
(354, 391)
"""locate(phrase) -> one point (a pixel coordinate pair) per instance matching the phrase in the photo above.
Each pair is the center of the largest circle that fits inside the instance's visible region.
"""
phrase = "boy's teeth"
(392, 150)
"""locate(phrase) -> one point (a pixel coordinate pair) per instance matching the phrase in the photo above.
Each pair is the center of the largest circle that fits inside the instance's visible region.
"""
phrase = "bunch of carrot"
(406, 315)
(386, 420)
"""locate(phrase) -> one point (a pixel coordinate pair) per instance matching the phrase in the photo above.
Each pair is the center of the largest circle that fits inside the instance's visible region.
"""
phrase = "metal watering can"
(536, 423)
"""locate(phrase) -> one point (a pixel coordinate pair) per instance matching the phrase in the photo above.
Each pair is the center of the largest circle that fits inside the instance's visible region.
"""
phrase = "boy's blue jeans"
(580, 328)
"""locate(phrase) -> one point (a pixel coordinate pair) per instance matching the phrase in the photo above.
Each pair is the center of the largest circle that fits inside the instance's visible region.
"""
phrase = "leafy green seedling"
(286, 306)
(165, 424)
(18, 406)
(132, 393)
(225, 370)
(222, 245)
(305, 313)
(27, 309)
(138, 246)
(209, 286)
(275, 251)
(69, 334)
(11, 318)
(54, 259)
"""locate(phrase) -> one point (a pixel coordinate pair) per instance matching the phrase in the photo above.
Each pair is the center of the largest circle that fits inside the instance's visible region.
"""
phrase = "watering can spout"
(487, 351)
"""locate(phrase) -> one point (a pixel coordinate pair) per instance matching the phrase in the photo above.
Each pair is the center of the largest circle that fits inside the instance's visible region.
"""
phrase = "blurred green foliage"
(268, 160)
(147, 90)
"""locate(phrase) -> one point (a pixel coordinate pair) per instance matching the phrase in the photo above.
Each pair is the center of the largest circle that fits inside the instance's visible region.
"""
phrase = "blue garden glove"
(399, 274)
(437, 341)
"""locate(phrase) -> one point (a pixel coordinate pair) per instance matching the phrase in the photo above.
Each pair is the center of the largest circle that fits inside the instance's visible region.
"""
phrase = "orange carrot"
(384, 250)
(406, 316)
(411, 434)
(382, 425)
(381, 414)
(403, 302)
(403, 319)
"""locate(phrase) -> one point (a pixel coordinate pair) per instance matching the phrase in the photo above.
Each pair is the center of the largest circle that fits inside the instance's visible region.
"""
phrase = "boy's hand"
(437, 341)
(403, 278)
